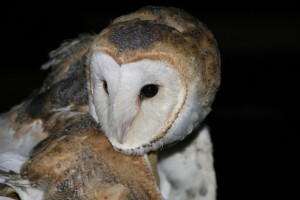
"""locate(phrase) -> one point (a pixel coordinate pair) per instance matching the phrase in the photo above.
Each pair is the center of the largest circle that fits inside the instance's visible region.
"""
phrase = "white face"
(135, 103)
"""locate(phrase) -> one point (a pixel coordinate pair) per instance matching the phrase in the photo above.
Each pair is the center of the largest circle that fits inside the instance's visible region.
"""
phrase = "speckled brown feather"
(78, 162)
(63, 87)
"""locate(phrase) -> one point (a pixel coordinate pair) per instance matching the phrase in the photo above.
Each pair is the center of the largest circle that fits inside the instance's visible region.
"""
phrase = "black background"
(254, 121)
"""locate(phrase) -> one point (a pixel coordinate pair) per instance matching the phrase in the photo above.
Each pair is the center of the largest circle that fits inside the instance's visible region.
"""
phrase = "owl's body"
(144, 83)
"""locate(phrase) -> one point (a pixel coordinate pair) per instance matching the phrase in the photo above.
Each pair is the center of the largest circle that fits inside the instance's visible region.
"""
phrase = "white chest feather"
(188, 173)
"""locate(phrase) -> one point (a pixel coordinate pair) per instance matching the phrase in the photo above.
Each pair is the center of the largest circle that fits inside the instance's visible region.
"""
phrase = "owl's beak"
(122, 130)
(120, 134)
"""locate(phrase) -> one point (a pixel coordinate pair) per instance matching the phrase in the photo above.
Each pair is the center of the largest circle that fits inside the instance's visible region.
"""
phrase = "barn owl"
(110, 103)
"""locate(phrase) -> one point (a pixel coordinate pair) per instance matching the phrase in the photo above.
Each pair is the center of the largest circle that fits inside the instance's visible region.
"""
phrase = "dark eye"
(105, 86)
(149, 90)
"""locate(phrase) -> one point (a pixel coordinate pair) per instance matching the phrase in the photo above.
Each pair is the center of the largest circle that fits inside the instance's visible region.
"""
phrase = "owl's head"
(153, 75)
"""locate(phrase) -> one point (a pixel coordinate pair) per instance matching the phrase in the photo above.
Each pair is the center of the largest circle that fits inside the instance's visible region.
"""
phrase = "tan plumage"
(59, 139)
(79, 162)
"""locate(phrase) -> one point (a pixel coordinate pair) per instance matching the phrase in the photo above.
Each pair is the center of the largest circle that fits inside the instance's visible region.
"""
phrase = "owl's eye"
(149, 91)
(105, 86)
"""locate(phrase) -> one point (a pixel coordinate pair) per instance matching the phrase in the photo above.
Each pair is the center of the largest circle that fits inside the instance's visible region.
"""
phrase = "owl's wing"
(77, 161)
(23, 126)
(186, 170)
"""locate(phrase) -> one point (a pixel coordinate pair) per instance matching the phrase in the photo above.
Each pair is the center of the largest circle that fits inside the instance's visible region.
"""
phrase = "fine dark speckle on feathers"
(180, 15)
(190, 193)
(203, 190)
(75, 69)
(36, 106)
(79, 123)
(84, 122)
(68, 60)
(195, 32)
(71, 91)
(137, 34)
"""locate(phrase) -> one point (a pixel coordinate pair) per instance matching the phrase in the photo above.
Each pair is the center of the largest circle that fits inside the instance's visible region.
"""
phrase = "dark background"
(254, 121)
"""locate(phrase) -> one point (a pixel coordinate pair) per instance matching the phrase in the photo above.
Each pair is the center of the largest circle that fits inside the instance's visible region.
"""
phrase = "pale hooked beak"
(120, 135)
(122, 131)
